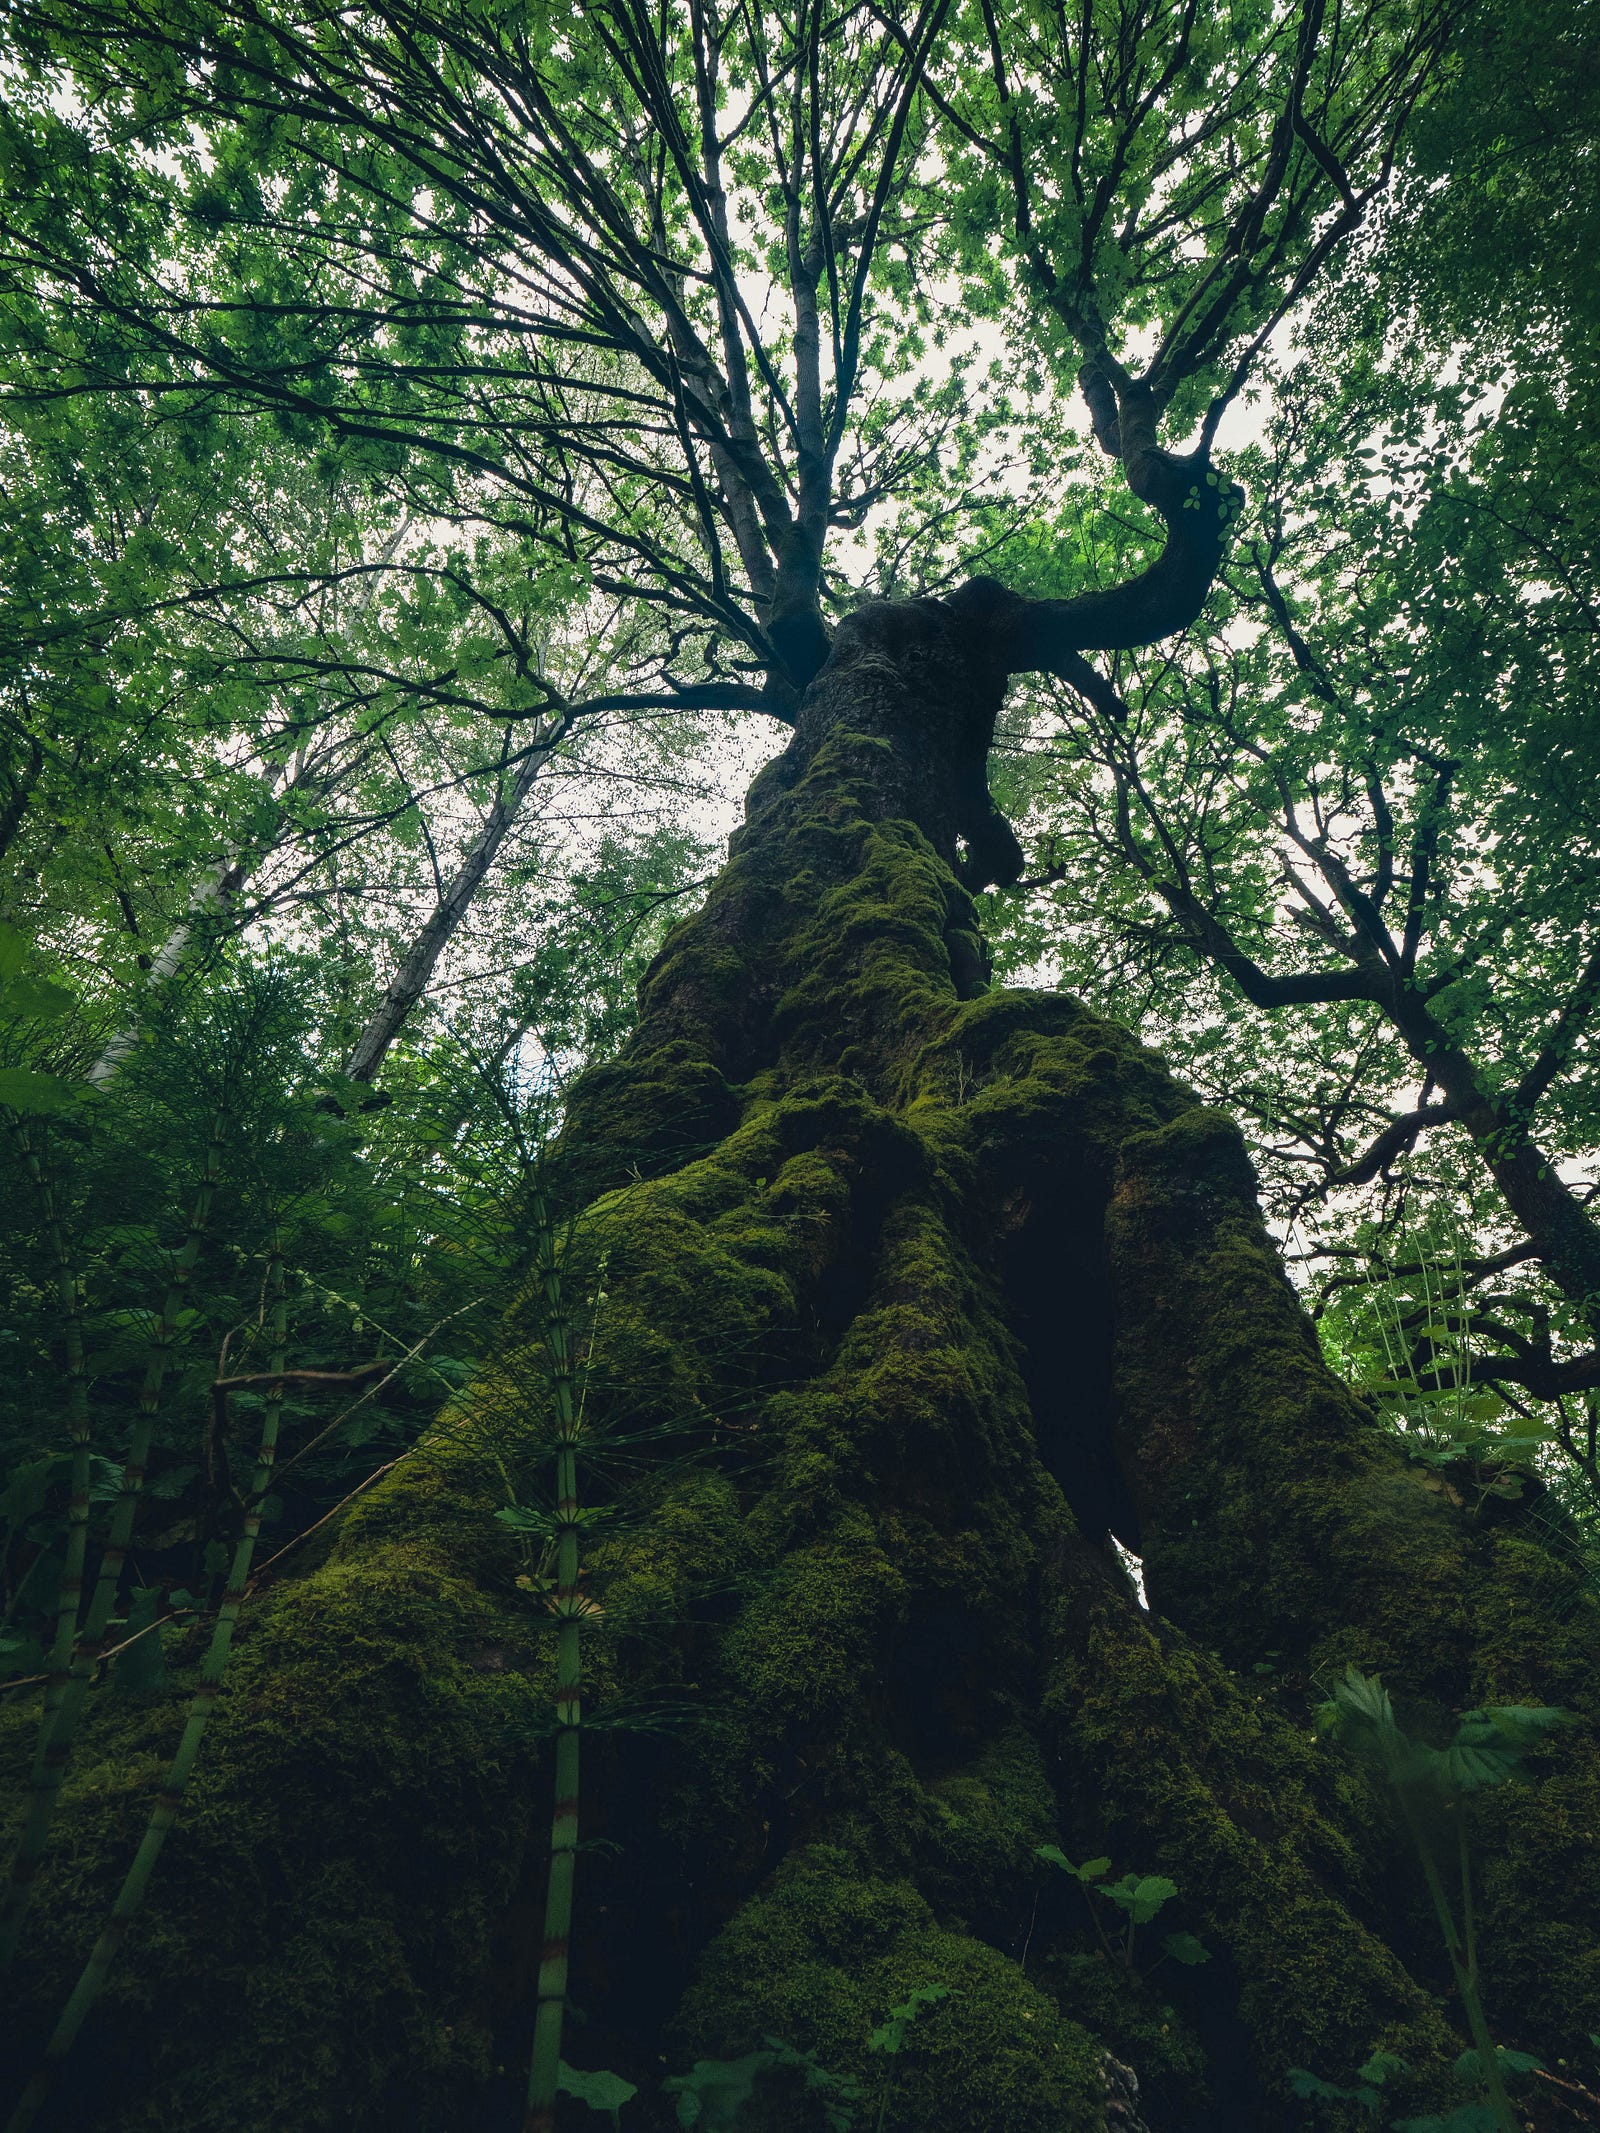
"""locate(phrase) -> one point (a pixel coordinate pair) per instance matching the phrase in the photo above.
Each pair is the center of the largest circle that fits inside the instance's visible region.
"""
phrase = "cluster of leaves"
(1139, 1897)
(1433, 1784)
(1367, 2091)
(715, 2094)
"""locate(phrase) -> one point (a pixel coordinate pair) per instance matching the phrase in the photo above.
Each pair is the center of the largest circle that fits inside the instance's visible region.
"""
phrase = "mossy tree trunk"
(940, 1285)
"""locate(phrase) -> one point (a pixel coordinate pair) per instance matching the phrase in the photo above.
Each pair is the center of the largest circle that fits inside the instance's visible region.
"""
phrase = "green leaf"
(714, 2091)
(21, 1655)
(1379, 2068)
(25, 1090)
(600, 2091)
(890, 2036)
(1489, 1745)
(1470, 2067)
(1057, 1857)
(1185, 1948)
(1140, 1895)
(1311, 2088)
(36, 999)
(28, 1487)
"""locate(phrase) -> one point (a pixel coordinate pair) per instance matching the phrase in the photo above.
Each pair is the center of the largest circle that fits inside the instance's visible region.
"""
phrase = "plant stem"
(544, 2069)
(170, 1800)
(55, 1737)
(1463, 1964)
(1467, 1983)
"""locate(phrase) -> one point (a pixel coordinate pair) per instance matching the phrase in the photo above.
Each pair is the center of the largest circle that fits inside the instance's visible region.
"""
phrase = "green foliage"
(890, 2036)
(1488, 1747)
(1383, 2067)
(1140, 1897)
(600, 2091)
(715, 2092)
(386, 416)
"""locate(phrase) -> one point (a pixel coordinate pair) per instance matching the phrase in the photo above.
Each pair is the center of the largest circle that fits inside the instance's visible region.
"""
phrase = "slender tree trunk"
(421, 959)
(917, 1292)
(218, 884)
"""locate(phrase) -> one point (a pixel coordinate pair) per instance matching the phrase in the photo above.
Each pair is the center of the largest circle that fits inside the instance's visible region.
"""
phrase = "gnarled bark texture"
(924, 1286)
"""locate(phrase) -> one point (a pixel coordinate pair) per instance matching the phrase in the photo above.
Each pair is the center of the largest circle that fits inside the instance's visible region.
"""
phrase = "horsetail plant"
(1487, 1749)
(568, 1605)
(56, 1733)
(170, 1799)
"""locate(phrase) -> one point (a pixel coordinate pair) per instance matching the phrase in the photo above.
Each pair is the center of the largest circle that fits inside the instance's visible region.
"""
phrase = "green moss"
(1140, 2027)
(1167, 1765)
(820, 1957)
(320, 1924)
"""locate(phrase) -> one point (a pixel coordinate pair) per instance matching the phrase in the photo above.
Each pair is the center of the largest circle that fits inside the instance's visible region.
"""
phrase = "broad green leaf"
(714, 2091)
(35, 999)
(1140, 1895)
(28, 1487)
(1380, 2067)
(24, 1089)
(1470, 2067)
(600, 2091)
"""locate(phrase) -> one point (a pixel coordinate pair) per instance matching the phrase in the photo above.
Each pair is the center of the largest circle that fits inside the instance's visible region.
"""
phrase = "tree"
(903, 1294)
(1369, 813)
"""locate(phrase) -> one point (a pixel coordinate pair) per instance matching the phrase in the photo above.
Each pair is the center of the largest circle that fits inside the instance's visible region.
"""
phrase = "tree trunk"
(915, 1292)
(417, 965)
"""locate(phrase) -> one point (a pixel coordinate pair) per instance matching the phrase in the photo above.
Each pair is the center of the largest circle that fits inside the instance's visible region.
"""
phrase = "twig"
(323, 1520)
(390, 1371)
(305, 1377)
(32, 1681)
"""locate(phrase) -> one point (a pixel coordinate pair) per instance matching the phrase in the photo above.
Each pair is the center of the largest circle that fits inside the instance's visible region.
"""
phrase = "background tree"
(1368, 814)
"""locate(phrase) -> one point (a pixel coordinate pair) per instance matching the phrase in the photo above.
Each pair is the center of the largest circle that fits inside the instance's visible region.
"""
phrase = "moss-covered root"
(1166, 1763)
(314, 1952)
(1268, 1495)
(820, 1957)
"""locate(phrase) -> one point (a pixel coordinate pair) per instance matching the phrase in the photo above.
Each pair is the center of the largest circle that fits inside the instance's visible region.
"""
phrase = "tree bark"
(421, 959)
(916, 1291)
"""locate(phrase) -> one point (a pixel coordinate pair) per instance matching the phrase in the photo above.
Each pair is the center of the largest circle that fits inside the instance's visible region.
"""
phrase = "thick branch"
(1198, 505)
(1399, 1135)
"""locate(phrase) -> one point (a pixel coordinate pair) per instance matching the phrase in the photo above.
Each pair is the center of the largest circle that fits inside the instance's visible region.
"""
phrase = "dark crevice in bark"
(1060, 1303)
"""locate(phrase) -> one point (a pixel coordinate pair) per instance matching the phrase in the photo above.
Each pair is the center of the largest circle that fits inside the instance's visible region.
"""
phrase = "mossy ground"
(850, 1575)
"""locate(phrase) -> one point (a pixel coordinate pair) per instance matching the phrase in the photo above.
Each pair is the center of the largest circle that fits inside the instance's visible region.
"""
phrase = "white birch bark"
(418, 964)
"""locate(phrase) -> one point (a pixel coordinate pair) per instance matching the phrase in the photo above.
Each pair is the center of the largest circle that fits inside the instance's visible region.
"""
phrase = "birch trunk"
(421, 959)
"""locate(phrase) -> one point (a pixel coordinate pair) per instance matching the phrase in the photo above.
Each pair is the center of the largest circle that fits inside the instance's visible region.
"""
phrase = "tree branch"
(1399, 1135)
